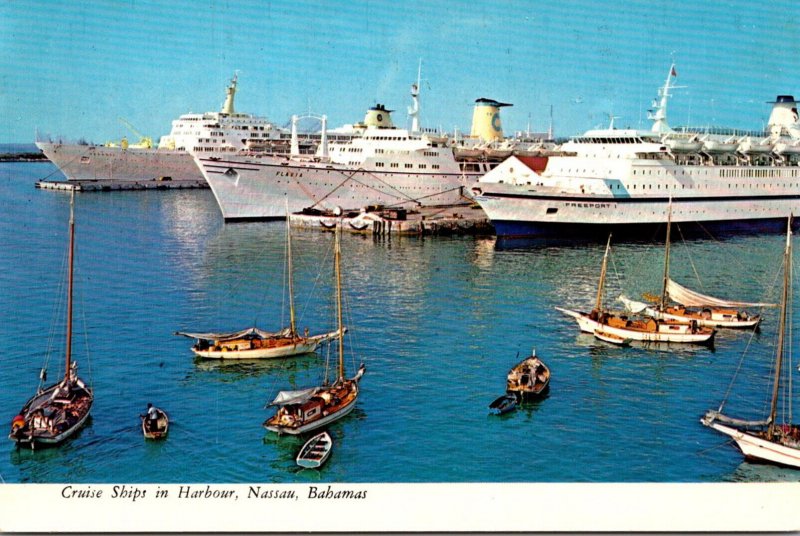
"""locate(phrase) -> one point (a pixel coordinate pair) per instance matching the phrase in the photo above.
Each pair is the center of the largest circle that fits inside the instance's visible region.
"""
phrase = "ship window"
(552, 210)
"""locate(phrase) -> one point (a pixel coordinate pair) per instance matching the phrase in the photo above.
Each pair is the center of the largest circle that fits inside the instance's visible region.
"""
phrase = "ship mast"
(787, 271)
(599, 302)
(659, 113)
(337, 262)
(666, 258)
(68, 353)
(413, 111)
(292, 326)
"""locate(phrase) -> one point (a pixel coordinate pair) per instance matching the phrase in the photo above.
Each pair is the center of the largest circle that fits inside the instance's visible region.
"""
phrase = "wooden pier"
(108, 185)
(444, 220)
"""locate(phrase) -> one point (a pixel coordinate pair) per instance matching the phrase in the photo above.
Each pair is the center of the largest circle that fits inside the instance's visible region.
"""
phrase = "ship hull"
(247, 189)
(97, 163)
(595, 216)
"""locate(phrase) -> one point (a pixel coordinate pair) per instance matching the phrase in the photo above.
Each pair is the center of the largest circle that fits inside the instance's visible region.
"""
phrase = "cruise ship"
(370, 163)
(226, 131)
(624, 179)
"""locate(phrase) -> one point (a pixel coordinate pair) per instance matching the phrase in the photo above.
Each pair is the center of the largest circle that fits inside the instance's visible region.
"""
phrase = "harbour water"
(437, 321)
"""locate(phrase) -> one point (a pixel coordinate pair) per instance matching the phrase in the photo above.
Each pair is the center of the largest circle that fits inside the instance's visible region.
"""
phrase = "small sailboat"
(308, 409)
(768, 440)
(56, 412)
(692, 306)
(315, 452)
(529, 378)
(645, 330)
(504, 404)
(254, 343)
(155, 423)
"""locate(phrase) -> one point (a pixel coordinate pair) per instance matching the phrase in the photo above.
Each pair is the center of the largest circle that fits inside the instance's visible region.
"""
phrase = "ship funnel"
(784, 119)
(230, 92)
(379, 117)
(486, 119)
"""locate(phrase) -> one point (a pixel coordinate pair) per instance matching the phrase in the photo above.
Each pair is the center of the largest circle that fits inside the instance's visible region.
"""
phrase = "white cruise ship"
(223, 131)
(368, 163)
(624, 179)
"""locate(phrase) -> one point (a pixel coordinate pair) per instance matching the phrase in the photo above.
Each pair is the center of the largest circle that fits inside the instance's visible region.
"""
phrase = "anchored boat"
(57, 412)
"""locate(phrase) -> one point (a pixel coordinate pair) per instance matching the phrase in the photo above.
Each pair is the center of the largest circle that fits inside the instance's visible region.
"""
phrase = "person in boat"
(152, 416)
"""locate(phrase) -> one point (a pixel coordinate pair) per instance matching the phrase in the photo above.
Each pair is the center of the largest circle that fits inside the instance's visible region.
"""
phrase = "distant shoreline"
(22, 157)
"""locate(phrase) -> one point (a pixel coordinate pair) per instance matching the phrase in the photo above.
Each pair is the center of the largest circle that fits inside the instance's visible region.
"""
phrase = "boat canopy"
(724, 419)
(689, 297)
(249, 332)
(293, 397)
(632, 305)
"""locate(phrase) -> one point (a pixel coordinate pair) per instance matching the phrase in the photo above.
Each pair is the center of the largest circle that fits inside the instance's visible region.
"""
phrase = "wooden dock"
(444, 220)
(108, 185)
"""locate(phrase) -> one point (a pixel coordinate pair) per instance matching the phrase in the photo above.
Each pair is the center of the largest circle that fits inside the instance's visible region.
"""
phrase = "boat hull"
(588, 325)
(46, 438)
(160, 433)
(98, 163)
(308, 458)
(756, 448)
(259, 189)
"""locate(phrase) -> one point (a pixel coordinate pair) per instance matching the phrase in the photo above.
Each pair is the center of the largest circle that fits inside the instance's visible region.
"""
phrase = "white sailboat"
(254, 343)
(55, 413)
(308, 409)
(605, 324)
(691, 305)
(768, 440)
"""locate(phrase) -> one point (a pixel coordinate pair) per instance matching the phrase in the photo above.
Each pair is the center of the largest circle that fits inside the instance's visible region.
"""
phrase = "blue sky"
(72, 69)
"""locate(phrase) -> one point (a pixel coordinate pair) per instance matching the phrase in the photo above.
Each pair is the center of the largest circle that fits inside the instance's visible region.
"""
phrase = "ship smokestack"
(230, 92)
(486, 122)
(379, 117)
(783, 120)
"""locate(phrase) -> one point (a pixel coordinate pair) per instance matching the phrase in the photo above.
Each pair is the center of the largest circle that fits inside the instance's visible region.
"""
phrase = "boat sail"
(254, 343)
(304, 410)
(692, 306)
(767, 440)
(605, 324)
(55, 413)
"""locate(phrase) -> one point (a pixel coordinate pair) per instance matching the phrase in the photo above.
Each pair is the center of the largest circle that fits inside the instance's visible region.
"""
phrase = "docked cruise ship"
(625, 179)
(370, 163)
(226, 131)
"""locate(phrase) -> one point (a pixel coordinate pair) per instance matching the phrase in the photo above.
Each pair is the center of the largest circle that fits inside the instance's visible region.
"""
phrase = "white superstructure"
(368, 163)
(625, 178)
(226, 131)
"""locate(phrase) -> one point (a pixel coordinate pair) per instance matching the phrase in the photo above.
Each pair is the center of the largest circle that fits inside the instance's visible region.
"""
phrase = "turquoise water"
(438, 323)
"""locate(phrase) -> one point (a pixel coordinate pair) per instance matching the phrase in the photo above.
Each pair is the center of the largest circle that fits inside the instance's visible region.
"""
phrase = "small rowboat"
(315, 452)
(504, 404)
(611, 338)
(155, 428)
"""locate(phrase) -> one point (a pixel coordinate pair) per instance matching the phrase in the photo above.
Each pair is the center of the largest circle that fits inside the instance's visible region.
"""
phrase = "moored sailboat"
(645, 330)
(57, 412)
(304, 410)
(693, 306)
(768, 440)
(254, 343)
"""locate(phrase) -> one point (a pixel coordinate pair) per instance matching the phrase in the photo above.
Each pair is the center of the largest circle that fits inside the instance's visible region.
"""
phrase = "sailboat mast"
(290, 270)
(666, 257)
(337, 261)
(68, 352)
(787, 269)
(601, 284)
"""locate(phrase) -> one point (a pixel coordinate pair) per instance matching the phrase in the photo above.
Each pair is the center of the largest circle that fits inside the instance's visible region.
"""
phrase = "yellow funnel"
(486, 122)
(379, 117)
